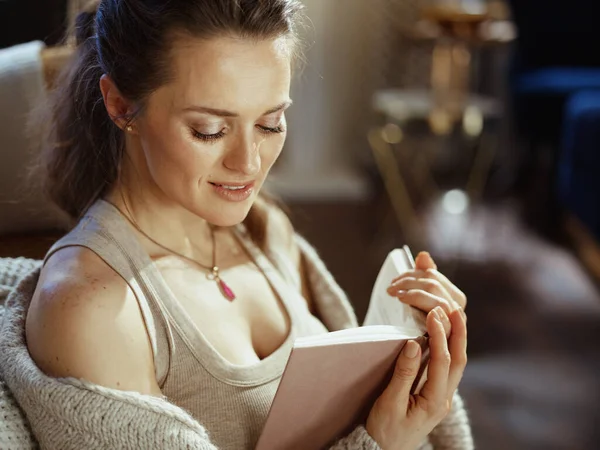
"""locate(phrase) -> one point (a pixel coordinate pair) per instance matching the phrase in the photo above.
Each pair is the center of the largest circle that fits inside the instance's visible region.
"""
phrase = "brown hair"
(129, 40)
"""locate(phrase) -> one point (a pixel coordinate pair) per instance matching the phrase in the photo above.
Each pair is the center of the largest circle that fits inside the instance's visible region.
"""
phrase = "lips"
(233, 186)
(233, 192)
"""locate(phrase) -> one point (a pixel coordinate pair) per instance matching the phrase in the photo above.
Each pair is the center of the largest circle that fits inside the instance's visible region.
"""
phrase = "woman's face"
(210, 136)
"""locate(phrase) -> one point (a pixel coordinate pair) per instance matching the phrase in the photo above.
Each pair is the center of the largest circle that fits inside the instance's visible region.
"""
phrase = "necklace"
(213, 270)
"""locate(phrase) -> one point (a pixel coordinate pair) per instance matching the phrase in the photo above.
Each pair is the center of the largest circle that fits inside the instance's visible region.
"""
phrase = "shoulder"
(282, 238)
(84, 322)
(280, 231)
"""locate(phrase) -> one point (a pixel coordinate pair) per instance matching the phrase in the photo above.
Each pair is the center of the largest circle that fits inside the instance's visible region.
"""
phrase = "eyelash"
(214, 137)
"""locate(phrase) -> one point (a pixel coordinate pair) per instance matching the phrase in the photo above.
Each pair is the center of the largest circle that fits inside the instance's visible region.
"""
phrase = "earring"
(129, 128)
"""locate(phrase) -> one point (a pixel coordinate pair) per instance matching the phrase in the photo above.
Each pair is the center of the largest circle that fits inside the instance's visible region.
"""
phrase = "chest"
(243, 331)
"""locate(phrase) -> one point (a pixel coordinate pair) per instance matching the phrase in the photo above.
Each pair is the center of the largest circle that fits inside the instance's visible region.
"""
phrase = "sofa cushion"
(23, 208)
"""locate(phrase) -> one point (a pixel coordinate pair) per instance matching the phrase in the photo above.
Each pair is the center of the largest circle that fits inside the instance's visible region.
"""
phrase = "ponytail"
(80, 148)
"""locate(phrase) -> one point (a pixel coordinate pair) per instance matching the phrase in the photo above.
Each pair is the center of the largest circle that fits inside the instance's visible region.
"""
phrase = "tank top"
(230, 401)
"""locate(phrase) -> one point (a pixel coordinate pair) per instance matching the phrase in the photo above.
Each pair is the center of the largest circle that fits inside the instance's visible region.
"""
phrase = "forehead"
(229, 73)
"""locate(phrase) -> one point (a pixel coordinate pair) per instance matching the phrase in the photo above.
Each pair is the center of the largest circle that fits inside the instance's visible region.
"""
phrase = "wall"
(329, 118)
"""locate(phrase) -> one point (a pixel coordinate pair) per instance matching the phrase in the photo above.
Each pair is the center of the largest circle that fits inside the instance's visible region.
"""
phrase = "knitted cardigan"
(37, 410)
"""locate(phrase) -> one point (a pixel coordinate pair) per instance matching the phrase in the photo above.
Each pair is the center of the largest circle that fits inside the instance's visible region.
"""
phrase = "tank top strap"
(286, 267)
(277, 278)
(104, 232)
(279, 270)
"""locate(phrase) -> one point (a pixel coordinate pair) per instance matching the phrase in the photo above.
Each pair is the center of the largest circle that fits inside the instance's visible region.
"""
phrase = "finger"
(457, 295)
(416, 273)
(425, 301)
(435, 389)
(424, 261)
(457, 345)
(405, 372)
(425, 284)
(445, 322)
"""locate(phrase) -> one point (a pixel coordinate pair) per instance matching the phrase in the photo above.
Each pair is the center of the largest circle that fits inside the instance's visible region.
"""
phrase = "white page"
(387, 310)
(360, 334)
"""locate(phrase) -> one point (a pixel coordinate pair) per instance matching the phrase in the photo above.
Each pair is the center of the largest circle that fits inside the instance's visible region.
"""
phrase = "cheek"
(271, 150)
(173, 158)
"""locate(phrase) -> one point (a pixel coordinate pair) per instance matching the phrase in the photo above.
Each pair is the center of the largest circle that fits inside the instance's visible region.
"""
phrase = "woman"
(180, 281)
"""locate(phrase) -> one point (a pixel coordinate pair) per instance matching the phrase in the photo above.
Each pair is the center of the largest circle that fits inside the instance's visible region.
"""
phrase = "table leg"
(395, 185)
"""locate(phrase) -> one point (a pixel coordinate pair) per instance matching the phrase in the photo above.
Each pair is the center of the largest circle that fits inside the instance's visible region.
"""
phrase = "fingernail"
(411, 348)
(395, 292)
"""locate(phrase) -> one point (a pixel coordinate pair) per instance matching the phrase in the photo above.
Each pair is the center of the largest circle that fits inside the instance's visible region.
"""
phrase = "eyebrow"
(225, 113)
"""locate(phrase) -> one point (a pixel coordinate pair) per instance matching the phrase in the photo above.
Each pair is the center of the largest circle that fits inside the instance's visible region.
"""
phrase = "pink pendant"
(227, 292)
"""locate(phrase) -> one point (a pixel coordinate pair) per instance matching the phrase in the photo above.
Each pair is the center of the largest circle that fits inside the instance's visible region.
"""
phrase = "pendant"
(225, 290)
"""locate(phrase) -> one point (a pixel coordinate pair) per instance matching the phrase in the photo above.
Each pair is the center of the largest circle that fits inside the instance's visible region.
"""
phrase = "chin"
(227, 216)
(226, 221)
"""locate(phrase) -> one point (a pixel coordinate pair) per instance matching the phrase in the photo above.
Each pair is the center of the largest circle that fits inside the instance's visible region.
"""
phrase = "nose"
(244, 156)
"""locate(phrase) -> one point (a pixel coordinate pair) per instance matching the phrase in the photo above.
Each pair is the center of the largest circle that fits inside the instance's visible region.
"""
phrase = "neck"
(167, 223)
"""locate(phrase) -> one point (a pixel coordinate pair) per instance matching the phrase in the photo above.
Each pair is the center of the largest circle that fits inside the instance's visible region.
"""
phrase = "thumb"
(424, 261)
(405, 372)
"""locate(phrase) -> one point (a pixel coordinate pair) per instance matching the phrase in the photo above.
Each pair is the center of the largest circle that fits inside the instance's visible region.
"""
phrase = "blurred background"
(467, 128)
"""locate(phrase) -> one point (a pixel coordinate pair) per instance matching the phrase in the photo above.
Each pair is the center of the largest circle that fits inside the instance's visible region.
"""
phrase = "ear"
(118, 107)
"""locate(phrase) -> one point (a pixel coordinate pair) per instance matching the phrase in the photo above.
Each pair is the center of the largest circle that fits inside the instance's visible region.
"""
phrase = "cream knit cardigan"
(73, 414)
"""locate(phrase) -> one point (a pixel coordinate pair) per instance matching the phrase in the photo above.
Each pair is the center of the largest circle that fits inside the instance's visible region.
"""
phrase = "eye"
(270, 130)
(207, 137)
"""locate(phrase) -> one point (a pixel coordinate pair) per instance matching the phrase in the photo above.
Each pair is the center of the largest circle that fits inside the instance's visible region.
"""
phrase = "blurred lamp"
(455, 201)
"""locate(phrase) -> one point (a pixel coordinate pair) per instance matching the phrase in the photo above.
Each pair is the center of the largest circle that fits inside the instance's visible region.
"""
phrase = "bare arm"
(84, 322)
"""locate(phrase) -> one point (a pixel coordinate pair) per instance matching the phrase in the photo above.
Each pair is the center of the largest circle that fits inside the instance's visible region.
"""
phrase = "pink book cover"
(327, 390)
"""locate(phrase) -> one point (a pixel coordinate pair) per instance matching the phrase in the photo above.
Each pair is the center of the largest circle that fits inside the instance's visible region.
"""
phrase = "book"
(332, 380)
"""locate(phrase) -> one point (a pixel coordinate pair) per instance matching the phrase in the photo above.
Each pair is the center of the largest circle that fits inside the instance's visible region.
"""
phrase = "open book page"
(387, 310)
(374, 333)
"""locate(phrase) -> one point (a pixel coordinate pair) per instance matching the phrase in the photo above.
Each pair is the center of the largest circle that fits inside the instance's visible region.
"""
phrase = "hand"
(401, 421)
(425, 288)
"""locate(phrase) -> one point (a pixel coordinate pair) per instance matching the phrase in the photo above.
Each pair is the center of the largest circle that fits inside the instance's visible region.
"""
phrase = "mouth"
(233, 186)
(233, 192)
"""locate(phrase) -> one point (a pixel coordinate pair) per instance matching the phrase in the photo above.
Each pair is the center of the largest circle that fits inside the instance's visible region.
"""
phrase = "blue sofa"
(578, 182)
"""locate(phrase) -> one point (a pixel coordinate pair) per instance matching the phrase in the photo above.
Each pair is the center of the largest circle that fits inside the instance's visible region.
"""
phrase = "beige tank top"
(230, 401)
